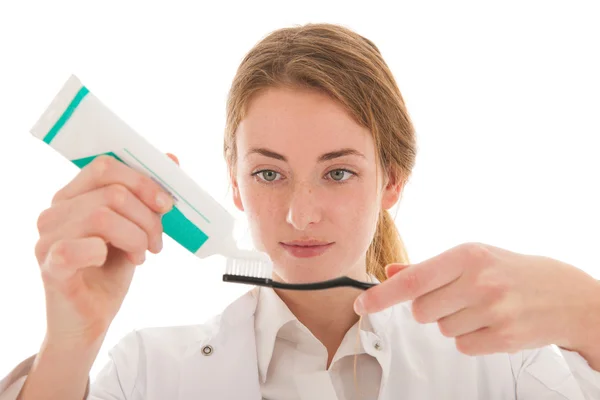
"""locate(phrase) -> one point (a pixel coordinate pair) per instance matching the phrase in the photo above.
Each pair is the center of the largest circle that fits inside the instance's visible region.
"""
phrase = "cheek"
(355, 217)
(261, 204)
(263, 211)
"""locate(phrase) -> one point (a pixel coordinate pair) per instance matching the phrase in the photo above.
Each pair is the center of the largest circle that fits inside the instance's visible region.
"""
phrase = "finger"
(126, 204)
(105, 223)
(114, 196)
(442, 302)
(65, 257)
(106, 170)
(113, 228)
(173, 157)
(393, 269)
(416, 280)
(407, 284)
(488, 341)
(464, 321)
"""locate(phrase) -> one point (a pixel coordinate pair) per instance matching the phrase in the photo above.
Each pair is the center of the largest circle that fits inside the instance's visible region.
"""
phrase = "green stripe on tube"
(66, 115)
(175, 224)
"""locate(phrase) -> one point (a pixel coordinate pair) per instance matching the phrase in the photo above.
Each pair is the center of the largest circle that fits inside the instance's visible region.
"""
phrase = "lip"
(306, 243)
(306, 248)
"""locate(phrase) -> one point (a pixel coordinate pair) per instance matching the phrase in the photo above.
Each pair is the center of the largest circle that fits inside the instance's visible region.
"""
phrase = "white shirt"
(226, 358)
(292, 361)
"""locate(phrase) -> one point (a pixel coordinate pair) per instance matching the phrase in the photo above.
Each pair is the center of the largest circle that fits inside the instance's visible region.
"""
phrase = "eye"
(340, 175)
(267, 175)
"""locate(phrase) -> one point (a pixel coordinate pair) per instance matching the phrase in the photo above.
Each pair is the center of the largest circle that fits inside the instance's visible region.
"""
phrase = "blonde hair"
(349, 68)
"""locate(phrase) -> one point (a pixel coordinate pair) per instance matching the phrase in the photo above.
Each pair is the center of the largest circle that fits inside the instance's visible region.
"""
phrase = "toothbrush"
(253, 272)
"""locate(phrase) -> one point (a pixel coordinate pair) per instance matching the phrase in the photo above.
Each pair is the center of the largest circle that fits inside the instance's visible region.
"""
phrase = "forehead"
(300, 120)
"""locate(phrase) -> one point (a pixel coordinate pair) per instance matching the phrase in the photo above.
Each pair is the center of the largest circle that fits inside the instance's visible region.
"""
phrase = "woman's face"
(306, 177)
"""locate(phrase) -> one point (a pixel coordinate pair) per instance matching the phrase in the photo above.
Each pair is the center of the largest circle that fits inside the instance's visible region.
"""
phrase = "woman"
(319, 146)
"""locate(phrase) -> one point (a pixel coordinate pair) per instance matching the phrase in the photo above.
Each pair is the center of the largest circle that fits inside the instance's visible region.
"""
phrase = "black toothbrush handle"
(342, 281)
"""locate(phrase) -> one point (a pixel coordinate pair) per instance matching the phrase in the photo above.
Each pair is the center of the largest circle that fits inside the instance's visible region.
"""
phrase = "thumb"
(173, 157)
(393, 269)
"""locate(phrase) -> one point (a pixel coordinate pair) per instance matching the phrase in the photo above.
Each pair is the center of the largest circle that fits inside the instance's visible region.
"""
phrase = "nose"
(303, 210)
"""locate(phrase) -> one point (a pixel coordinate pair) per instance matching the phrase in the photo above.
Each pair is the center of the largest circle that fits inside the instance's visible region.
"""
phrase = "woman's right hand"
(96, 231)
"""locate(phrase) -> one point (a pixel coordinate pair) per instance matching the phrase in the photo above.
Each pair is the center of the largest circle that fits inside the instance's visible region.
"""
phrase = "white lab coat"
(217, 360)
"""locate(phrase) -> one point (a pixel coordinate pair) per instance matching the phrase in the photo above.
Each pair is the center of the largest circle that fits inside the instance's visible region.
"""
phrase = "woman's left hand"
(492, 300)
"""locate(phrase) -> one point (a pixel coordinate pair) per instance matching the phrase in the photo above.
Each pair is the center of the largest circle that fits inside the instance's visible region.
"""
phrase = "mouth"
(307, 248)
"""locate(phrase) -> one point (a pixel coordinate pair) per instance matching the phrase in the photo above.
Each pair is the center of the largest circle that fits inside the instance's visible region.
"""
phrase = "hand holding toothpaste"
(109, 215)
(96, 231)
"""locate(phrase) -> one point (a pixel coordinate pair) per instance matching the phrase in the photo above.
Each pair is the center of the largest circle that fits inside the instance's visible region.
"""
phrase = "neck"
(328, 314)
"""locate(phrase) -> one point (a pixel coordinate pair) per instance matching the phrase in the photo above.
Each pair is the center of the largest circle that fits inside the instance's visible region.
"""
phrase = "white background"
(505, 97)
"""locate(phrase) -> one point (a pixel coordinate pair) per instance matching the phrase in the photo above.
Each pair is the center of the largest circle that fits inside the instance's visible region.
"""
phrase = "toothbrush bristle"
(248, 267)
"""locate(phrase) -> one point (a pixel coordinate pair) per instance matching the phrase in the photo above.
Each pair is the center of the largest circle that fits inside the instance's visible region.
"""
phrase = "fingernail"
(393, 269)
(162, 200)
(137, 259)
(54, 259)
(387, 270)
(159, 244)
(359, 306)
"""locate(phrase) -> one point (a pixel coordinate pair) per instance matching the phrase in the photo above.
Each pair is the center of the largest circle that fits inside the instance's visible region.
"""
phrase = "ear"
(392, 190)
(237, 198)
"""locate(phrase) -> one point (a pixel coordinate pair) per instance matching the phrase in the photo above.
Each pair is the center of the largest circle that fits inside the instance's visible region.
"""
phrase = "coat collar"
(270, 316)
(222, 364)
(231, 336)
(273, 317)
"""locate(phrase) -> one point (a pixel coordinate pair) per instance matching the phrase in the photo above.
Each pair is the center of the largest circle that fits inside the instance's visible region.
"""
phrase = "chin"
(306, 271)
(302, 277)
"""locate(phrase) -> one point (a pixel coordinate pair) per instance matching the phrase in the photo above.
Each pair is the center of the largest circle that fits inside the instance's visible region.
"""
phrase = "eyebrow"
(325, 157)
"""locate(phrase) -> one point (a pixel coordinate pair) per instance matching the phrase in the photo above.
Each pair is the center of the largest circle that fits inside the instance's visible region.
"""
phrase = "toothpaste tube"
(78, 126)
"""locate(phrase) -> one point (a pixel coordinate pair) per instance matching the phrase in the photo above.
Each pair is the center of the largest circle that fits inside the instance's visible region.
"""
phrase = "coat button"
(207, 350)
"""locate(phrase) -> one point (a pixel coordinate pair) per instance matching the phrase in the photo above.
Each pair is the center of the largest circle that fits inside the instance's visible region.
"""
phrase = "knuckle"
(143, 184)
(45, 220)
(116, 195)
(444, 328)
(478, 253)
(412, 282)
(60, 251)
(465, 345)
(99, 218)
(494, 314)
(58, 196)
(506, 319)
(374, 299)
(41, 250)
(141, 242)
(100, 165)
(492, 286)
(507, 339)
(157, 226)
(417, 311)
(138, 240)
(508, 315)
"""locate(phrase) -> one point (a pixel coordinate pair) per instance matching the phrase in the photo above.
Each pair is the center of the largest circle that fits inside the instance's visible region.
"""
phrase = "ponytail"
(386, 248)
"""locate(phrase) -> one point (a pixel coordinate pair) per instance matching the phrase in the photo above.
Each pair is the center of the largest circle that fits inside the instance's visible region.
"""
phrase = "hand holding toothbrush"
(493, 300)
